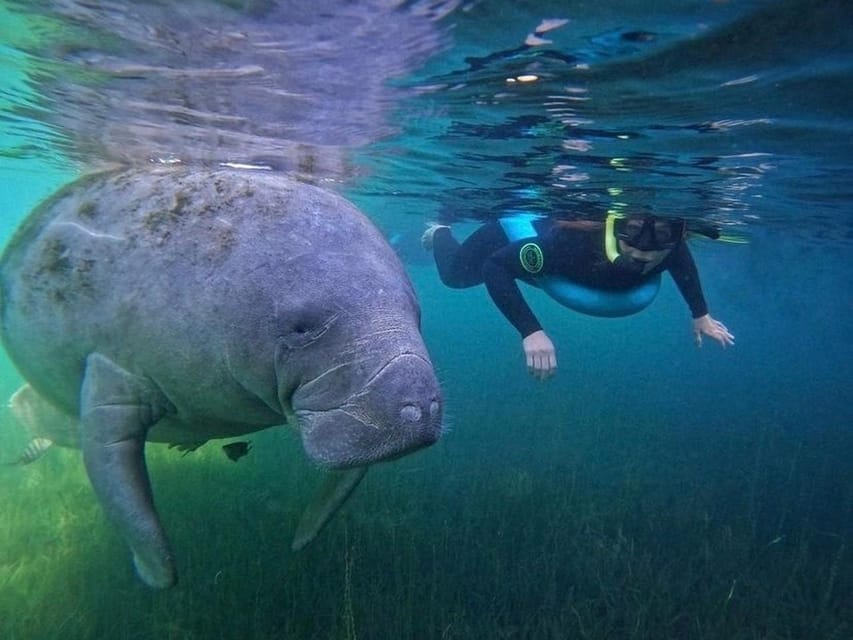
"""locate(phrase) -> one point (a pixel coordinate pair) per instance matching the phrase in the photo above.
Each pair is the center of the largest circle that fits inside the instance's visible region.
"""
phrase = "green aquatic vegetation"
(595, 532)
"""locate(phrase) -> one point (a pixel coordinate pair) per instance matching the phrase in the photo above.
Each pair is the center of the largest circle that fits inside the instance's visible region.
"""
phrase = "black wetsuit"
(574, 253)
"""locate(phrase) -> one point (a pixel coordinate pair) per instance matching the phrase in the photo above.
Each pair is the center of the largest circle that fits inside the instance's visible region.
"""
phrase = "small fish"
(35, 449)
(236, 450)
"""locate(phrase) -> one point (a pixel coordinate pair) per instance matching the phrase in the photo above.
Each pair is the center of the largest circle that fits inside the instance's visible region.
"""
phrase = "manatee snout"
(397, 411)
(407, 390)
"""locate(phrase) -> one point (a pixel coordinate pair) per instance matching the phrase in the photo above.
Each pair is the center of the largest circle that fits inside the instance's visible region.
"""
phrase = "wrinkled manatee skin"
(179, 305)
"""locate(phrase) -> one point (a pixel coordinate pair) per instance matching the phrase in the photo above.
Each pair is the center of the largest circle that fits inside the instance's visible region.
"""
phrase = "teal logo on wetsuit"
(531, 257)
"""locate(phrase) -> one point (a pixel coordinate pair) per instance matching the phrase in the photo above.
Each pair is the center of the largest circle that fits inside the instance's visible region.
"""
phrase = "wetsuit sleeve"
(686, 275)
(500, 271)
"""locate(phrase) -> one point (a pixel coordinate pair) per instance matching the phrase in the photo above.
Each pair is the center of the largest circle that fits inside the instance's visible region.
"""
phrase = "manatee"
(183, 304)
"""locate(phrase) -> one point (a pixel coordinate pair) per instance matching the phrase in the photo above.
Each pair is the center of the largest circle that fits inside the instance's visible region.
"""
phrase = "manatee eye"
(306, 330)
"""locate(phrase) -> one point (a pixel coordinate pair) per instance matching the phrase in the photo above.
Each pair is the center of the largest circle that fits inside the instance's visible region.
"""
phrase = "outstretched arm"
(686, 276)
(500, 272)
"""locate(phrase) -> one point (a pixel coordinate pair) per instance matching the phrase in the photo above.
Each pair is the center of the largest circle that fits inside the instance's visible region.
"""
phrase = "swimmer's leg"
(461, 265)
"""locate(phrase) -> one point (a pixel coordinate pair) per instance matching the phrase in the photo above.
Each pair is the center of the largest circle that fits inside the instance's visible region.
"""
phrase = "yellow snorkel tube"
(611, 244)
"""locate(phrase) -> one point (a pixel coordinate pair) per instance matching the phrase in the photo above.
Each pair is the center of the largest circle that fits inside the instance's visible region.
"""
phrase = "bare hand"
(540, 355)
(712, 328)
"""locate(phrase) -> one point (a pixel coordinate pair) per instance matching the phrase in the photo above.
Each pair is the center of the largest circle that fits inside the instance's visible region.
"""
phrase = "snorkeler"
(609, 268)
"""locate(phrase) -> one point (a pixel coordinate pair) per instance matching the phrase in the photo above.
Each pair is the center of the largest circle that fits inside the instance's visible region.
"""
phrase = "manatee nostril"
(410, 413)
(434, 408)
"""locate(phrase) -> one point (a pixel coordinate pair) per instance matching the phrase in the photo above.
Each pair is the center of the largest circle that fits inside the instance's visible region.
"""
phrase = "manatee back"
(182, 273)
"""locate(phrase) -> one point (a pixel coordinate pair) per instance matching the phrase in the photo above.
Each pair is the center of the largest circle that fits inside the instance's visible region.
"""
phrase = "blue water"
(650, 489)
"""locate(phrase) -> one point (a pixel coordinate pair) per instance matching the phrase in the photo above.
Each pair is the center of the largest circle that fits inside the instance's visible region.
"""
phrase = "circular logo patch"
(531, 257)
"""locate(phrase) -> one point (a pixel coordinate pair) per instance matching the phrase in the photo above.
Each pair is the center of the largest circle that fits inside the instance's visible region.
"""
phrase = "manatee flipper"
(329, 497)
(116, 410)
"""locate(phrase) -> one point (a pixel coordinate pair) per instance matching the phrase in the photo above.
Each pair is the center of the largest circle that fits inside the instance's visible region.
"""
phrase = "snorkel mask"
(651, 233)
(647, 233)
